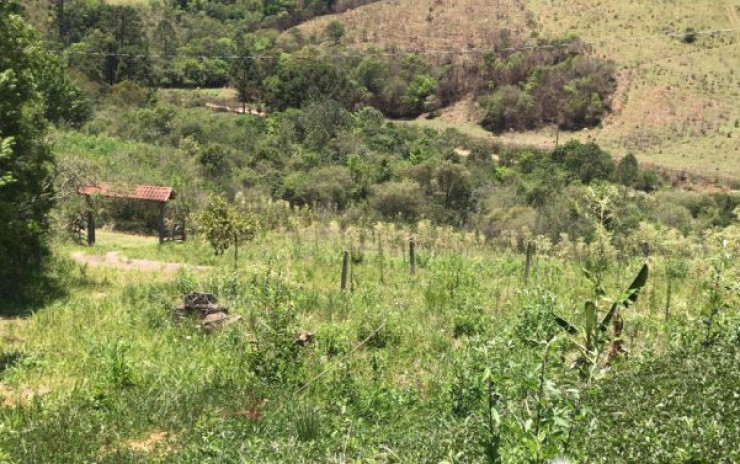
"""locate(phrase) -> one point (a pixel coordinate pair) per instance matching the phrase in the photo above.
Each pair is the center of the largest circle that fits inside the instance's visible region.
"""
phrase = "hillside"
(676, 103)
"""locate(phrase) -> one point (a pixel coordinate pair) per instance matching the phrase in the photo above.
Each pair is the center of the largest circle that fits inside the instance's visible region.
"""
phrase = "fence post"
(345, 264)
(412, 256)
(528, 263)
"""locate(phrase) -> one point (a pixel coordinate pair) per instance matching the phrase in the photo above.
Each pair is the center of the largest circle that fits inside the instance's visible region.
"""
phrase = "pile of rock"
(206, 308)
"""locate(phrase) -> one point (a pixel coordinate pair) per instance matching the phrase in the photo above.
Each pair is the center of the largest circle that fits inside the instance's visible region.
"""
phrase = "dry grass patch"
(160, 442)
(428, 25)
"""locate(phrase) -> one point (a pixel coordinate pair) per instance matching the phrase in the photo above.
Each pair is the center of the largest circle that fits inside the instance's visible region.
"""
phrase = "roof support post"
(160, 222)
(90, 222)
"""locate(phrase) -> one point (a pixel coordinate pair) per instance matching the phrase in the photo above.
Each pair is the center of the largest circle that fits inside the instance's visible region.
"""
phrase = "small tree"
(223, 226)
(627, 170)
(335, 30)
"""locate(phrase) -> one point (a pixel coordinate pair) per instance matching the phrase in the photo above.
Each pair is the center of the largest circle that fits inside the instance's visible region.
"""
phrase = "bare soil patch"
(156, 441)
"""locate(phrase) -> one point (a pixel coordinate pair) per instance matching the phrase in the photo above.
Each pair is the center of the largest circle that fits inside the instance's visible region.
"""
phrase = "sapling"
(223, 226)
(591, 338)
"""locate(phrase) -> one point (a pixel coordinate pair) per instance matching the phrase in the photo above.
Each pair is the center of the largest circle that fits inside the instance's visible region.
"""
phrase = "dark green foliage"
(308, 76)
(335, 30)
(65, 102)
(628, 171)
(109, 42)
(556, 86)
(509, 108)
(246, 73)
(25, 193)
(585, 162)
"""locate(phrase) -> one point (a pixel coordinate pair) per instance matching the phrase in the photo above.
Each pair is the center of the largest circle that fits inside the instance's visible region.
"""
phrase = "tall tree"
(245, 73)
(25, 192)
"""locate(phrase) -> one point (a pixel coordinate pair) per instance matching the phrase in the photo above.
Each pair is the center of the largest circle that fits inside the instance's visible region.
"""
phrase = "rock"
(205, 306)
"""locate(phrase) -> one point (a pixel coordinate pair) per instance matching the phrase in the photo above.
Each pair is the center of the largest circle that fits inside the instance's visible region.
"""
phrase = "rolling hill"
(677, 101)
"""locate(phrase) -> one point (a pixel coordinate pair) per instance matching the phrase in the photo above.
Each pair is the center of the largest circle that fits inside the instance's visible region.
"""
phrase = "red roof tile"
(136, 192)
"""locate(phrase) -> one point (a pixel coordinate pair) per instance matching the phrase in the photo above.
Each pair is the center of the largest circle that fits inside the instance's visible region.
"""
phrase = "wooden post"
(645, 248)
(345, 264)
(528, 263)
(351, 276)
(90, 227)
(160, 222)
(412, 256)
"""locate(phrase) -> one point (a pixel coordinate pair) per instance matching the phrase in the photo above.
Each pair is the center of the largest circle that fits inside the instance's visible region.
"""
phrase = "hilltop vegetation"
(675, 101)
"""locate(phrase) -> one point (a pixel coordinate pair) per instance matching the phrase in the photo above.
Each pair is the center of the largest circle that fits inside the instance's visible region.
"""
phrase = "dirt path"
(234, 109)
(114, 260)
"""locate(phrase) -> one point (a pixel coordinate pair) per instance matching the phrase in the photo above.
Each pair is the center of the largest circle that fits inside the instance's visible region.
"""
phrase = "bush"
(586, 162)
(326, 186)
(399, 200)
(509, 108)
(127, 93)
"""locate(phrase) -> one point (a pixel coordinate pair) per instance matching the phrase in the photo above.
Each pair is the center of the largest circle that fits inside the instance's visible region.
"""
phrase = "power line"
(347, 54)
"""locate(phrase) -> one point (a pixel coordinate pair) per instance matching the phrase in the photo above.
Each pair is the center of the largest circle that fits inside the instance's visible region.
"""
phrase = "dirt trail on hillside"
(114, 260)
(234, 109)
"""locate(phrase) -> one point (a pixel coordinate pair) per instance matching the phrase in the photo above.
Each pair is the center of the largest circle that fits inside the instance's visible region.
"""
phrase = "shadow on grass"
(33, 290)
(8, 360)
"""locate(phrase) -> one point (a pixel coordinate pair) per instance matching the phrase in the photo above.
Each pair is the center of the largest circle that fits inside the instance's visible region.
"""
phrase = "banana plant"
(592, 336)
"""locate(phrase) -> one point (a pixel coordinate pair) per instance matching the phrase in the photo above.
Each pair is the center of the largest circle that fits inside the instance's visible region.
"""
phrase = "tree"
(65, 101)
(584, 161)
(335, 30)
(306, 76)
(25, 192)
(627, 170)
(454, 182)
(223, 226)
(165, 36)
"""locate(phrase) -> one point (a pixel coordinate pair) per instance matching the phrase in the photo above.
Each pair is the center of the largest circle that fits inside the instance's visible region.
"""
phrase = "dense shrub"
(558, 86)
(399, 200)
(585, 162)
(509, 108)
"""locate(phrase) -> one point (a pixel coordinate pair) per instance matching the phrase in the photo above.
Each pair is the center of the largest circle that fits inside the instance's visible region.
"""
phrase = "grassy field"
(106, 374)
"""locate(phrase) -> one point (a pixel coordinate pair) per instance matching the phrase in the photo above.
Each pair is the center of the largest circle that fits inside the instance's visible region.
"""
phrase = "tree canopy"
(25, 163)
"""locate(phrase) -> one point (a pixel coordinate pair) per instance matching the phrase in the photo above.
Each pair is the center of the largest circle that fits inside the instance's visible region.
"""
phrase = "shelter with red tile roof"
(150, 193)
